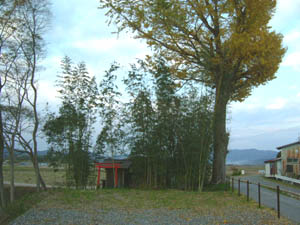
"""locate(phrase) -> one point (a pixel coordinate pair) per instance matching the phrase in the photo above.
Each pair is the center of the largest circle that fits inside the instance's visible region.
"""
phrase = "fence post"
(278, 202)
(239, 192)
(259, 203)
(247, 190)
(228, 184)
(232, 185)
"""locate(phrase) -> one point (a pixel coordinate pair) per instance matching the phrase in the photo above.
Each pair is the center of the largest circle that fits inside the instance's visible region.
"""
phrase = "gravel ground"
(55, 216)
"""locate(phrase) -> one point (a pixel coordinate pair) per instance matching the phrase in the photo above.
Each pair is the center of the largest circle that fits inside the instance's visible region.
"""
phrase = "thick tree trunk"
(220, 137)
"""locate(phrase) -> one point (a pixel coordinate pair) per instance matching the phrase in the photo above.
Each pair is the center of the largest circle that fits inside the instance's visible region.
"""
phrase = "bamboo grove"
(171, 139)
(163, 126)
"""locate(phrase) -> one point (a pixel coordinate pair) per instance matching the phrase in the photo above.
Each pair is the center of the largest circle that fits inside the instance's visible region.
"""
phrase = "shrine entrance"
(117, 173)
(114, 166)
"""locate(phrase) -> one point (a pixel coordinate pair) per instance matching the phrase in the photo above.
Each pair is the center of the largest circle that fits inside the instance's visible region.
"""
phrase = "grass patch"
(218, 204)
(217, 187)
(131, 199)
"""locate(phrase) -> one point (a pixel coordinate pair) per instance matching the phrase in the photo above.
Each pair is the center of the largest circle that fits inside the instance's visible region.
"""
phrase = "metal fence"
(277, 190)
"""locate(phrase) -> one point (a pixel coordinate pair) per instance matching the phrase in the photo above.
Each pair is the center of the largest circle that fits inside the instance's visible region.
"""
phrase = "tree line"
(164, 126)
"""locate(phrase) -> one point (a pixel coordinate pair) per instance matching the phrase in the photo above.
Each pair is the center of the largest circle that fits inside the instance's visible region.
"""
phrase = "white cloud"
(287, 13)
(110, 44)
(278, 103)
(293, 37)
(47, 92)
(291, 41)
(50, 61)
(288, 7)
(298, 95)
(292, 60)
(249, 104)
(293, 87)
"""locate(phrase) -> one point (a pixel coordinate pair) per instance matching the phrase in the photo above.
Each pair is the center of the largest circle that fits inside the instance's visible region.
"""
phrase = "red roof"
(272, 160)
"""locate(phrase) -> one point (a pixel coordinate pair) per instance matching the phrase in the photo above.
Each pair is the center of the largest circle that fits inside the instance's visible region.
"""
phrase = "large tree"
(226, 44)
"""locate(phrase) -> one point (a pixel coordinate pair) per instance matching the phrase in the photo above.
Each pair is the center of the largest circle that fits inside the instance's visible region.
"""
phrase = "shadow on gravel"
(25, 198)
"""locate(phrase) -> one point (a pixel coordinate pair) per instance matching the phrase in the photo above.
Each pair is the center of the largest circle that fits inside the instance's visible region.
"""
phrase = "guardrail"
(292, 180)
(277, 190)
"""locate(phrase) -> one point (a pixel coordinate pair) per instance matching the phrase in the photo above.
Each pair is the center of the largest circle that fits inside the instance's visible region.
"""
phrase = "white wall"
(279, 167)
(267, 169)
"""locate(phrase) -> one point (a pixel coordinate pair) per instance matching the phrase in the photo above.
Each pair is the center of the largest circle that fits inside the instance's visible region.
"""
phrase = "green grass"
(212, 203)
(134, 199)
(144, 199)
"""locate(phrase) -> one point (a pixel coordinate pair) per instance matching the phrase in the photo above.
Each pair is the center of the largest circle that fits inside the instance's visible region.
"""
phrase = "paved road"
(269, 182)
(289, 207)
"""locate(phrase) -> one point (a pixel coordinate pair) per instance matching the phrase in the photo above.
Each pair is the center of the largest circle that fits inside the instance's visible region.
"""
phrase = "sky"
(269, 118)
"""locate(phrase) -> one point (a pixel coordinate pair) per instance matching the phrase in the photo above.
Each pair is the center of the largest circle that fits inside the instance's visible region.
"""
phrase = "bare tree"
(14, 113)
(35, 14)
(9, 23)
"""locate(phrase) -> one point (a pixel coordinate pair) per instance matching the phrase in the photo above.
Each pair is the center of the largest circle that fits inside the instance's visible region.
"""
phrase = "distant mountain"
(22, 155)
(42, 153)
(249, 156)
(17, 154)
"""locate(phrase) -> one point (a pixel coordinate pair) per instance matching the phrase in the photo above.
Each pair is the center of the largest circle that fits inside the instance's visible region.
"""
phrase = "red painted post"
(108, 165)
(98, 178)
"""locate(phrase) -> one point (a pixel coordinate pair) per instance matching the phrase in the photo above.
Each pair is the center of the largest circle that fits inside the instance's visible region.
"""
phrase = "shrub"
(236, 171)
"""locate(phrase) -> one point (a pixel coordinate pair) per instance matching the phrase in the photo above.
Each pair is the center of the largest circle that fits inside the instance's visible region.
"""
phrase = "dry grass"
(219, 204)
(25, 174)
(249, 169)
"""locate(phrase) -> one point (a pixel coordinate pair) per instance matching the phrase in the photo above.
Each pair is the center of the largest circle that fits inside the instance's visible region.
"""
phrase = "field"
(25, 174)
(249, 169)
